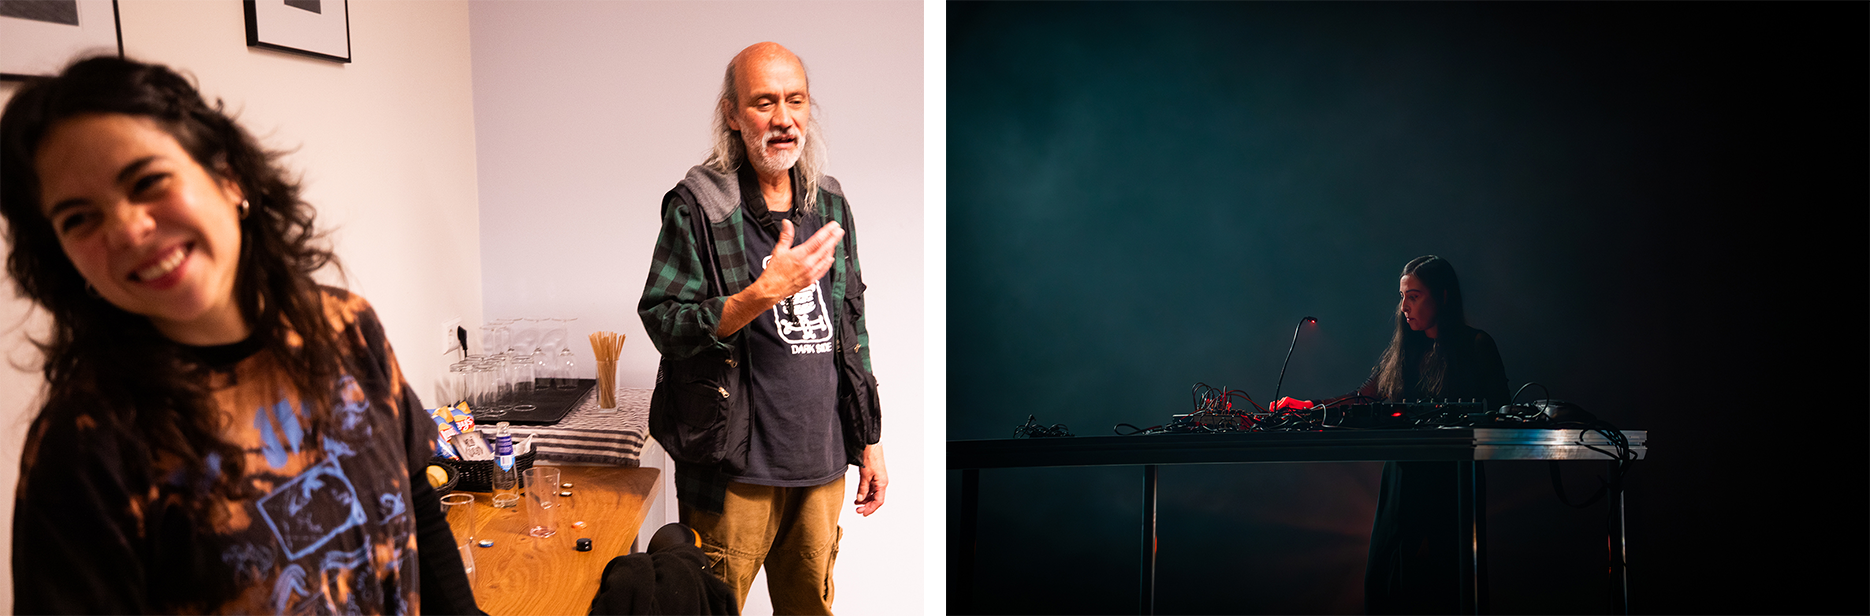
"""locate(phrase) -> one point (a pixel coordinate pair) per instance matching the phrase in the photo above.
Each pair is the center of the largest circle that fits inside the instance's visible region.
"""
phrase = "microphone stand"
(1295, 344)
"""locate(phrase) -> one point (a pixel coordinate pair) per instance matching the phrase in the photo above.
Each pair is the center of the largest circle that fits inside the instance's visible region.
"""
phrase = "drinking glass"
(542, 501)
(503, 383)
(487, 388)
(519, 373)
(606, 385)
(492, 338)
(459, 508)
(455, 388)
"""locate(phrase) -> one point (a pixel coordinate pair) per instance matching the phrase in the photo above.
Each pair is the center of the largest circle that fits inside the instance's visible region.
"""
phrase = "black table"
(1467, 447)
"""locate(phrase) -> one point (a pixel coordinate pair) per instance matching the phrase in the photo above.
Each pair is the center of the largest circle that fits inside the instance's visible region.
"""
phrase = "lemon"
(437, 476)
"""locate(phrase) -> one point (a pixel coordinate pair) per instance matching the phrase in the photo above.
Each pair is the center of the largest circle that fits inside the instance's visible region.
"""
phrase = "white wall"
(587, 112)
(386, 148)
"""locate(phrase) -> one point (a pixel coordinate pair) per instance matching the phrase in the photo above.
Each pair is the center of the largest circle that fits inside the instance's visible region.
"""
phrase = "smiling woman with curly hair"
(220, 433)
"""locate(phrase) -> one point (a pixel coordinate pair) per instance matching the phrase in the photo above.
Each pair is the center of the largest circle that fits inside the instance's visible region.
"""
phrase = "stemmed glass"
(567, 369)
(526, 338)
(567, 361)
(551, 341)
(542, 372)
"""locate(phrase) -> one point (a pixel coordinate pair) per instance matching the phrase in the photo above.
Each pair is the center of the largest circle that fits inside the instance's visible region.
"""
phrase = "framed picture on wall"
(39, 37)
(316, 28)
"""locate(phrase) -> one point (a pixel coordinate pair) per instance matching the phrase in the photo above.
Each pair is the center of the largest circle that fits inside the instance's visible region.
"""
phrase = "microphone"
(1295, 344)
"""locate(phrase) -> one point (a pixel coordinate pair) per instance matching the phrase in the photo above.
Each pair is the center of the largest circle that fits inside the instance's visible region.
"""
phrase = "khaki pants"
(793, 532)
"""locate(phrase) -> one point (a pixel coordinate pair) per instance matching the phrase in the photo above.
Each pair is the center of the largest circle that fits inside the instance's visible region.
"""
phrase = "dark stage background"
(1658, 211)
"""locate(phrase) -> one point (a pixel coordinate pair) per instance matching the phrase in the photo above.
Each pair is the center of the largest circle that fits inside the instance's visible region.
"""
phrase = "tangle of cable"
(1211, 401)
(1034, 430)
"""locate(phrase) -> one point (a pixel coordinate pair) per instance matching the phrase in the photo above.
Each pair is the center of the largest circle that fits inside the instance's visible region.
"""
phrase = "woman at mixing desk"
(1433, 353)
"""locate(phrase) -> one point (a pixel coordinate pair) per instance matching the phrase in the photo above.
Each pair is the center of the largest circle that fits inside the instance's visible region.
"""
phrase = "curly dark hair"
(1438, 275)
(98, 356)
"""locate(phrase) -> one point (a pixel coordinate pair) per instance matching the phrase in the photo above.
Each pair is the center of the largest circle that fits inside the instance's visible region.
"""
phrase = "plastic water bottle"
(505, 476)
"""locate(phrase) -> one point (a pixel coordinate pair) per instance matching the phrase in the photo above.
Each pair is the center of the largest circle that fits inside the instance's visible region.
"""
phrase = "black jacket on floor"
(670, 581)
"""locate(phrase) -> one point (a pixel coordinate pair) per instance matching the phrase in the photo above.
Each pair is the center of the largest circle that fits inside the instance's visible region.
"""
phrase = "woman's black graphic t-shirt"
(333, 530)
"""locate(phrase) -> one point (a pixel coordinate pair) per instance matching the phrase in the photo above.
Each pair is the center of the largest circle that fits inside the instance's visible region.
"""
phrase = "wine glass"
(567, 369)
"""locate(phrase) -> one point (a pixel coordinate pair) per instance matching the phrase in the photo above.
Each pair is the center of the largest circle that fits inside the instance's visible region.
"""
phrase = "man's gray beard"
(756, 154)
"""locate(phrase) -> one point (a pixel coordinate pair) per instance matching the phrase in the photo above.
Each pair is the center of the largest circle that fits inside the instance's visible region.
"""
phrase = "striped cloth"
(592, 435)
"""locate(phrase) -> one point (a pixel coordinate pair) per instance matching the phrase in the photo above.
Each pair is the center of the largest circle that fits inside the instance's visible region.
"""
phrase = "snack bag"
(443, 444)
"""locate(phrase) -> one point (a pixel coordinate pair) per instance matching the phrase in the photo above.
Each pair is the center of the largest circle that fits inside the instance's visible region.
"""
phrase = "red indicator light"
(1396, 414)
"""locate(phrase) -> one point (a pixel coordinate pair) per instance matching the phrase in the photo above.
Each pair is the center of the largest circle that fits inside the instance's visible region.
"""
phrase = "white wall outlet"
(454, 343)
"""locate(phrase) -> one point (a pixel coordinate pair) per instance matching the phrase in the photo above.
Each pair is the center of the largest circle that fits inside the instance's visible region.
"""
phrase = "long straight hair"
(1432, 353)
(729, 151)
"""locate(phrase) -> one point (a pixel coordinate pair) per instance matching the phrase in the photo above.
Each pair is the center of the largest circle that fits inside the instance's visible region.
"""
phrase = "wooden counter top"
(522, 574)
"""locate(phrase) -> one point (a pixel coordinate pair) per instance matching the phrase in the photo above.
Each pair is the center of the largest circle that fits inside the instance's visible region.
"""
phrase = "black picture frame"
(45, 47)
(281, 25)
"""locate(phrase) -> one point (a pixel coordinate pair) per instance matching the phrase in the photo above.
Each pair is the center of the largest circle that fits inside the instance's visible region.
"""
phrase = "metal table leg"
(1148, 595)
(1468, 519)
(1483, 586)
(1619, 572)
(962, 547)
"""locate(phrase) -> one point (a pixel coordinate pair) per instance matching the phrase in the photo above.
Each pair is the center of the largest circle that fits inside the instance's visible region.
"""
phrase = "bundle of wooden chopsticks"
(607, 345)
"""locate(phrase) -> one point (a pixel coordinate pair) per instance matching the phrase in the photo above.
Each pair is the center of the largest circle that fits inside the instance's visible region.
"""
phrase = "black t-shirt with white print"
(796, 440)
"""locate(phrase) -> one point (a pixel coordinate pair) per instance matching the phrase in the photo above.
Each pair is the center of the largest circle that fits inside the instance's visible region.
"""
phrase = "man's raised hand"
(795, 267)
(791, 270)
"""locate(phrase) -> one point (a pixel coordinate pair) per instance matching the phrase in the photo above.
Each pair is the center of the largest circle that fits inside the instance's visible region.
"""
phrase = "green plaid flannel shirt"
(675, 309)
(681, 318)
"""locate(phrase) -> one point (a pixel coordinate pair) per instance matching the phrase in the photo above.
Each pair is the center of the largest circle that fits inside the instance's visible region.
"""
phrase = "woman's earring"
(92, 290)
(244, 207)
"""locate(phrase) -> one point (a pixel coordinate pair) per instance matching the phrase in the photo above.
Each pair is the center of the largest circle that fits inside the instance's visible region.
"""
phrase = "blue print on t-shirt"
(270, 441)
(312, 508)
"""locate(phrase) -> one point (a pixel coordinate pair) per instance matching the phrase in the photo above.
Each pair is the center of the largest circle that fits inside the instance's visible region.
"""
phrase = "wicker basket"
(478, 476)
(454, 477)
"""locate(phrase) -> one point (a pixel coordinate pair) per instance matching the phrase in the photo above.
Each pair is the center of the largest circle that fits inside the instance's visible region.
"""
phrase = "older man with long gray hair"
(765, 392)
